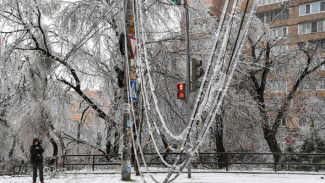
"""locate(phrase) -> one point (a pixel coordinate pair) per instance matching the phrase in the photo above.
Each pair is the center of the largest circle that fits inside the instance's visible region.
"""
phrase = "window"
(320, 44)
(284, 15)
(281, 69)
(270, 15)
(279, 32)
(276, 86)
(314, 27)
(321, 84)
(304, 121)
(307, 28)
(302, 10)
(283, 121)
(320, 26)
(263, 2)
(305, 85)
(307, 8)
(266, 2)
(311, 27)
(282, 86)
(278, 50)
(315, 7)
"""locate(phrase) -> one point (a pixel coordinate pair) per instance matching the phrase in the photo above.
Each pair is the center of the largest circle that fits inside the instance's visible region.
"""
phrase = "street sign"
(125, 107)
(133, 69)
(134, 43)
(128, 123)
(133, 90)
(178, 2)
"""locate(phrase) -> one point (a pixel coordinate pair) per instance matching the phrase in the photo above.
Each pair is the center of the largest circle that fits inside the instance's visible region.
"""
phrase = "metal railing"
(51, 162)
(93, 164)
(212, 159)
(230, 158)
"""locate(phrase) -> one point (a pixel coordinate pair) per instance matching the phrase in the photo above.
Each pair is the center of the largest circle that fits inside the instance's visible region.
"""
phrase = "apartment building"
(303, 22)
(78, 107)
(297, 22)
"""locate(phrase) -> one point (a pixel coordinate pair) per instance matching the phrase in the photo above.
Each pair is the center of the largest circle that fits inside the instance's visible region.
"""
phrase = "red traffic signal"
(181, 91)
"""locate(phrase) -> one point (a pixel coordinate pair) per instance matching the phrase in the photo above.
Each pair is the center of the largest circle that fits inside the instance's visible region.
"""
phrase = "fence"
(224, 160)
(50, 162)
(230, 158)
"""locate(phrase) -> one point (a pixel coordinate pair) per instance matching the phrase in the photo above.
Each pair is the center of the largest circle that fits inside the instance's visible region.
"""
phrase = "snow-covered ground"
(196, 178)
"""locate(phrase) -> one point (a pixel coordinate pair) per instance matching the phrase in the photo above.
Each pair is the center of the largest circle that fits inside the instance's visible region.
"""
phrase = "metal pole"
(227, 162)
(63, 157)
(188, 77)
(56, 162)
(93, 165)
(127, 138)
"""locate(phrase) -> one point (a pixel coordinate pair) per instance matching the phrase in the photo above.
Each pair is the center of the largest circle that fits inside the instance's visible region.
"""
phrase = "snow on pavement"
(196, 178)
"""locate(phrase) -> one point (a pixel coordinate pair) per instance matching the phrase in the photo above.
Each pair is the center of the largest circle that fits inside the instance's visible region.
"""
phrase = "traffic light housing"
(122, 43)
(197, 72)
(177, 2)
(181, 91)
(120, 77)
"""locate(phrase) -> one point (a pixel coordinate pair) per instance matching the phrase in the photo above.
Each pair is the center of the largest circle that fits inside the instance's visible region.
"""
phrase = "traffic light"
(177, 2)
(197, 72)
(181, 91)
(122, 44)
(120, 77)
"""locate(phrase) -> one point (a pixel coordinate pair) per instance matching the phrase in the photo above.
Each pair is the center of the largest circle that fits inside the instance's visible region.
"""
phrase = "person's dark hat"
(36, 139)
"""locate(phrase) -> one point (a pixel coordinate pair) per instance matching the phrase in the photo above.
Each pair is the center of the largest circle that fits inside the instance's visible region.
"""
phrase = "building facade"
(298, 23)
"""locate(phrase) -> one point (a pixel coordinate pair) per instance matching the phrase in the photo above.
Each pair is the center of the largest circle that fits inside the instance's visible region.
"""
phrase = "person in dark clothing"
(36, 158)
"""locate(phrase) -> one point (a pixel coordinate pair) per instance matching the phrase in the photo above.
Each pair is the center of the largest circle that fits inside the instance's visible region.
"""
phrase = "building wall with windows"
(78, 106)
(302, 22)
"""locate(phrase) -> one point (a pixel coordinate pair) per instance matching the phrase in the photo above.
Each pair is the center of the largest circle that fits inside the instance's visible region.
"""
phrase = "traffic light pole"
(188, 76)
(127, 136)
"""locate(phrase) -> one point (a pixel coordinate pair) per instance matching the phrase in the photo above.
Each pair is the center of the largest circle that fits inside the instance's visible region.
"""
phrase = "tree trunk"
(12, 150)
(269, 136)
(219, 141)
(59, 137)
(108, 140)
(55, 149)
(164, 141)
(116, 145)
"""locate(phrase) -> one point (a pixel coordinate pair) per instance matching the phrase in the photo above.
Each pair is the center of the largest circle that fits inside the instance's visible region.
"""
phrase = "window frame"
(303, 121)
(277, 88)
(275, 32)
(303, 84)
(266, 2)
(303, 10)
(307, 27)
(269, 16)
(318, 85)
(283, 121)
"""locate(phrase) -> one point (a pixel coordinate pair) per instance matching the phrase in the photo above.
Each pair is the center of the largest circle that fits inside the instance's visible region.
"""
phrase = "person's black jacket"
(35, 153)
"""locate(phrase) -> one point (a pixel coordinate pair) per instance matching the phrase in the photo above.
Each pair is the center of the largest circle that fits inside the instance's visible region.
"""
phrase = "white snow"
(196, 178)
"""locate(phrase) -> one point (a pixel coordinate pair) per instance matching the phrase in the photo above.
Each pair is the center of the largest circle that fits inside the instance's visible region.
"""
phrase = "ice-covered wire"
(232, 67)
(143, 38)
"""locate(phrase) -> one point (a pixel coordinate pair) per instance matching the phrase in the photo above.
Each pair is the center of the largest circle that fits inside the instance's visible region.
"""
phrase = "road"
(196, 178)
